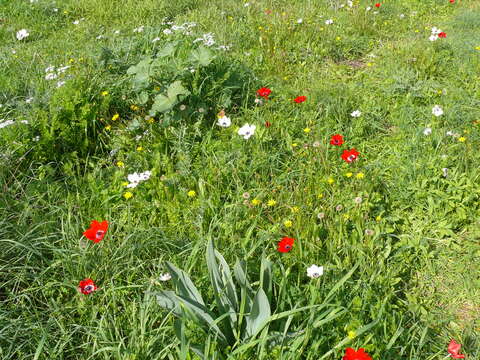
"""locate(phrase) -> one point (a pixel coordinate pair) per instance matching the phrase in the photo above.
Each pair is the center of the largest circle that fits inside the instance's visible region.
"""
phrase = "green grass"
(418, 273)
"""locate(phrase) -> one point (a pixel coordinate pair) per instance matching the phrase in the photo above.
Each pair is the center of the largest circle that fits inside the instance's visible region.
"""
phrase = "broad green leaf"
(175, 89)
(260, 314)
(222, 283)
(142, 98)
(182, 306)
(202, 56)
(266, 276)
(184, 284)
(161, 103)
(141, 72)
(168, 49)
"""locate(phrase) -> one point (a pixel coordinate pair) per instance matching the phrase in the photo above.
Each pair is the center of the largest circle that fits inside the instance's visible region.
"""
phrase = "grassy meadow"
(94, 91)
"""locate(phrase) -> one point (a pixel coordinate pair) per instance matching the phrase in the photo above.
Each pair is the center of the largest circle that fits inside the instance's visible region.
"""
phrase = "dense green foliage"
(400, 230)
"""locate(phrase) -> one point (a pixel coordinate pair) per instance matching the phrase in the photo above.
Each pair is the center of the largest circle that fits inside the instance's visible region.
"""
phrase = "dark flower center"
(288, 247)
(88, 288)
(99, 234)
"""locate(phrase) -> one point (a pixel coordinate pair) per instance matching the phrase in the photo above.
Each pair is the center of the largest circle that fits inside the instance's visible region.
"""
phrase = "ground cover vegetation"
(239, 179)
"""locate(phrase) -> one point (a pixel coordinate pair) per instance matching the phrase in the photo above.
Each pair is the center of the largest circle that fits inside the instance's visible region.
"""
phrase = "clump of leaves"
(183, 81)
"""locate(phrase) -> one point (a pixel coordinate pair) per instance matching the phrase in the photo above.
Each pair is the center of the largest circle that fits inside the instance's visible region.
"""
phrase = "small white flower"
(402, 16)
(177, 27)
(167, 31)
(368, 8)
(258, 101)
(246, 131)
(445, 172)
(356, 113)
(99, 37)
(50, 69)
(156, 39)
(36, 138)
(436, 31)
(433, 37)
(246, 4)
(60, 83)
(224, 121)
(299, 21)
(76, 22)
(437, 110)
(51, 76)
(165, 277)
(350, 3)
(22, 34)
(139, 29)
(62, 69)
(329, 22)
(55, 10)
(116, 32)
(314, 271)
(29, 100)
(427, 131)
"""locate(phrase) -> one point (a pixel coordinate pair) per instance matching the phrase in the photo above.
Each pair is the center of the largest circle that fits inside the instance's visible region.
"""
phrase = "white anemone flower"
(329, 22)
(22, 34)
(437, 110)
(246, 131)
(356, 113)
(224, 121)
(314, 271)
(165, 277)
(427, 131)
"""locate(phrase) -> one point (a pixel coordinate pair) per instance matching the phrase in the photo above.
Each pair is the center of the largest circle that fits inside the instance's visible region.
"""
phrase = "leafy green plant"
(241, 313)
(183, 81)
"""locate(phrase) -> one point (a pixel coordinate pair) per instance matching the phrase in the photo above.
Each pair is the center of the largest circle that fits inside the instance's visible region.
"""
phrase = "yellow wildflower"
(338, 38)
(349, 175)
(462, 139)
(378, 218)
(115, 117)
(307, 130)
(295, 209)
(139, 148)
(127, 195)
(255, 202)
(294, 145)
(330, 180)
(352, 334)
(477, 48)
(104, 93)
(287, 223)
(320, 196)
(120, 164)
(151, 120)
(134, 107)
(125, 183)
(271, 202)
(108, 127)
(360, 175)
(191, 193)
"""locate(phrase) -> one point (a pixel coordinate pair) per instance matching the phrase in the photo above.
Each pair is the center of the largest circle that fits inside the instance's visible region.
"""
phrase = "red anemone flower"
(350, 155)
(286, 244)
(300, 99)
(97, 231)
(454, 349)
(377, 5)
(442, 35)
(87, 286)
(351, 354)
(336, 140)
(268, 124)
(264, 92)
(452, 1)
